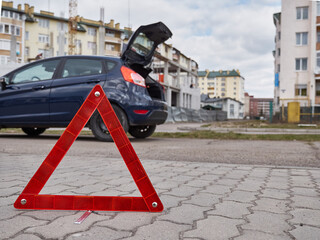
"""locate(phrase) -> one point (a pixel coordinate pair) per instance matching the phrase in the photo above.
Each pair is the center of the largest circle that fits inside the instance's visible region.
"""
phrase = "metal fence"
(178, 114)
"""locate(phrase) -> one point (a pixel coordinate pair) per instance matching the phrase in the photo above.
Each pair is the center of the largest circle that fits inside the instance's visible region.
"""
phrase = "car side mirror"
(4, 82)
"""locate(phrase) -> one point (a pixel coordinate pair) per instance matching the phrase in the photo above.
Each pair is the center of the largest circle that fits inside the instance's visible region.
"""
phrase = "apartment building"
(222, 84)
(297, 54)
(12, 29)
(43, 35)
(179, 76)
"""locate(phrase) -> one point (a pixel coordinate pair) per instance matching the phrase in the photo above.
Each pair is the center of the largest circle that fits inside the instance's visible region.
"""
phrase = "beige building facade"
(222, 84)
(297, 54)
(43, 35)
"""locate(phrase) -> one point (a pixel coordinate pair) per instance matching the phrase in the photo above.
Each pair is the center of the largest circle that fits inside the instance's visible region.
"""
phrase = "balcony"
(112, 53)
(112, 40)
(317, 100)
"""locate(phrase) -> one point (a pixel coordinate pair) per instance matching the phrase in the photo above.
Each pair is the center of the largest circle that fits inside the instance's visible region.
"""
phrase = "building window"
(301, 89)
(318, 59)
(231, 110)
(301, 38)
(27, 35)
(302, 12)
(234, 88)
(17, 31)
(318, 8)
(110, 33)
(45, 53)
(92, 31)
(279, 35)
(279, 52)
(1, 28)
(91, 45)
(301, 64)
(110, 47)
(278, 68)
(223, 89)
(223, 94)
(43, 23)
(26, 51)
(5, 44)
(223, 84)
(43, 38)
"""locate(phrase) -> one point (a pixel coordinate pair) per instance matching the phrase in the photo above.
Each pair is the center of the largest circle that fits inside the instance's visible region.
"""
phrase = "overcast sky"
(217, 34)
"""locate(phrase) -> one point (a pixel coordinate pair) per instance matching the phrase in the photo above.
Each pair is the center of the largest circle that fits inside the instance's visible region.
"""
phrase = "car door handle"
(93, 81)
(39, 87)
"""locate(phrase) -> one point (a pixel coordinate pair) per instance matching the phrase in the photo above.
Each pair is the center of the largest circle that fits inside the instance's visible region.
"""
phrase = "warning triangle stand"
(30, 197)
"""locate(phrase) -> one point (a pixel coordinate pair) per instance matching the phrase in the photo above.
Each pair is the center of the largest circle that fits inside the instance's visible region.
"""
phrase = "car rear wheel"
(142, 131)
(33, 132)
(100, 130)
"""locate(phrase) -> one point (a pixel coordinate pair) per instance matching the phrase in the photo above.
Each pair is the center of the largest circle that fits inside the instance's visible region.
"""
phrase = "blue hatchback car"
(48, 93)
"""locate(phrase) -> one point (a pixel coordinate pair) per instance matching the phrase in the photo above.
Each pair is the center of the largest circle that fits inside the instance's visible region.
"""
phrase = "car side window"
(36, 72)
(110, 65)
(81, 67)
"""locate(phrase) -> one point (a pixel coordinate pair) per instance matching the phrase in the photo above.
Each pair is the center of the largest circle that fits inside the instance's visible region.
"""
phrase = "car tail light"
(141, 111)
(131, 76)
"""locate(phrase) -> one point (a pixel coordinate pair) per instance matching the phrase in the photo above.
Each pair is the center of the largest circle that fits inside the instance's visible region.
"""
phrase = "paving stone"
(198, 183)
(242, 196)
(311, 192)
(228, 182)
(306, 216)
(267, 222)
(209, 177)
(161, 230)
(255, 235)
(249, 185)
(236, 174)
(26, 236)
(13, 226)
(305, 232)
(279, 172)
(127, 221)
(47, 215)
(217, 189)
(231, 209)
(277, 185)
(167, 184)
(215, 227)
(99, 233)
(271, 205)
(66, 225)
(203, 199)
(299, 172)
(6, 192)
(306, 202)
(183, 191)
(185, 214)
(301, 181)
(8, 211)
(275, 193)
(170, 201)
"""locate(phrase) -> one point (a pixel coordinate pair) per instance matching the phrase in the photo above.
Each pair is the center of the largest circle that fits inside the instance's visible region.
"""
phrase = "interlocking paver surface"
(201, 200)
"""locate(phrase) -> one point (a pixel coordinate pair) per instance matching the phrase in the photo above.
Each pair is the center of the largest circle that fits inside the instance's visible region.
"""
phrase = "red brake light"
(141, 111)
(131, 76)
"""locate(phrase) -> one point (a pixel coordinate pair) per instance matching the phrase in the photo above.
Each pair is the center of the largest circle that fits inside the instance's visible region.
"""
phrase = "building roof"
(202, 73)
(214, 100)
(224, 73)
(277, 16)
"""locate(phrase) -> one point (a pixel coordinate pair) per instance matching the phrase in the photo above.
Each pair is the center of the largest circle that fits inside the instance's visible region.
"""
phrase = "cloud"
(229, 34)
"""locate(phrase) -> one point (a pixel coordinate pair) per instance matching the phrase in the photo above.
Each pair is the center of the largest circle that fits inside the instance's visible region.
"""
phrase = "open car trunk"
(140, 51)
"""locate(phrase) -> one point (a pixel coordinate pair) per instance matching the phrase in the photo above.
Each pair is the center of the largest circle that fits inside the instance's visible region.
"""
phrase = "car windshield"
(142, 45)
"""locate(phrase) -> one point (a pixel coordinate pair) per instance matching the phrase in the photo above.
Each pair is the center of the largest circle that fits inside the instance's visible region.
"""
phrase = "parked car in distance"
(48, 93)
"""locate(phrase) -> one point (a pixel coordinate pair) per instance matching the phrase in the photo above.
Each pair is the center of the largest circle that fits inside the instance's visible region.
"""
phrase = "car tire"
(33, 132)
(142, 131)
(99, 129)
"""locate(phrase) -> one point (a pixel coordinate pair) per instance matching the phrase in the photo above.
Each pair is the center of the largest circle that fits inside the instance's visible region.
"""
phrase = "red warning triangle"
(30, 197)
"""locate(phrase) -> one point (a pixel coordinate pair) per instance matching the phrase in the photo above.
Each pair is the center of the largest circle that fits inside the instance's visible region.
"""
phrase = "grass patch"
(238, 136)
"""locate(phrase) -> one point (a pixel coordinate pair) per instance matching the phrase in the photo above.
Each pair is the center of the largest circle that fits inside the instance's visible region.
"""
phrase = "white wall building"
(297, 54)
